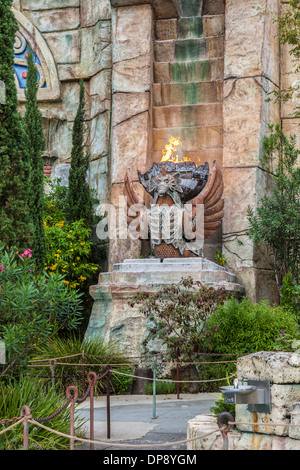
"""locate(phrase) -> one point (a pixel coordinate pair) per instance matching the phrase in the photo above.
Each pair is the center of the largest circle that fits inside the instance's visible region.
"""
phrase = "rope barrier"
(117, 444)
(170, 380)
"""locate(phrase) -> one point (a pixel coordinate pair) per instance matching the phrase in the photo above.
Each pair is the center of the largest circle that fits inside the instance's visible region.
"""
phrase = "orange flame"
(170, 149)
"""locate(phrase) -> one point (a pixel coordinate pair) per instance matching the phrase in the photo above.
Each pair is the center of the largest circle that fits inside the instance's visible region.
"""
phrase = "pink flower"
(27, 253)
(1, 268)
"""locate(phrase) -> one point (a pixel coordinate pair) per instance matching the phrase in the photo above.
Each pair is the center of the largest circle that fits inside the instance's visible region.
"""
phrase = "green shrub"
(33, 306)
(162, 388)
(42, 403)
(248, 327)
(95, 352)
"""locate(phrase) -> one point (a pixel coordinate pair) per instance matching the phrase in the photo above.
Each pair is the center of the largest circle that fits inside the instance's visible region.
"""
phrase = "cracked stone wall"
(78, 35)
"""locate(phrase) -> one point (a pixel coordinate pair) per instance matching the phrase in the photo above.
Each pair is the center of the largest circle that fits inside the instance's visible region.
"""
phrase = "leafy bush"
(68, 252)
(33, 306)
(248, 327)
(95, 352)
(177, 315)
(42, 403)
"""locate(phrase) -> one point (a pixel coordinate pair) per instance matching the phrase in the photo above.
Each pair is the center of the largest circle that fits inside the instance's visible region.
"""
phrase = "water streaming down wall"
(188, 84)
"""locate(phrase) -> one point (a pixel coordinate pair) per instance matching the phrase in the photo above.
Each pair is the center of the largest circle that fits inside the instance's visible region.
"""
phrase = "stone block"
(56, 20)
(100, 135)
(65, 46)
(189, 28)
(242, 127)
(49, 4)
(196, 71)
(185, 93)
(213, 7)
(187, 116)
(60, 135)
(164, 51)
(133, 75)
(206, 426)
(190, 49)
(291, 128)
(277, 367)
(98, 174)
(127, 105)
(92, 11)
(100, 93)
(130, 146)
(294, 429)
(166, 29)
(131, 32)
(213, 25)
(162, 73)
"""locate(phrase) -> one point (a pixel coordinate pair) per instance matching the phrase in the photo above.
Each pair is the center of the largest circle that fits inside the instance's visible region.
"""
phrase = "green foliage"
(276, 224)
(15, 227)
(290, 293)
(248, 327)
(42, 403)
(177, 315)
(79, 201)
(95, 352)
(33, 305)
(36, 144)
(289, 33)
(220, 258)
(162, 388)
(69, 251)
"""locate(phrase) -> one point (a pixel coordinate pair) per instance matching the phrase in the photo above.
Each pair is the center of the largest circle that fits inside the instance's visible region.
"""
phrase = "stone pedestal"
(112, 317)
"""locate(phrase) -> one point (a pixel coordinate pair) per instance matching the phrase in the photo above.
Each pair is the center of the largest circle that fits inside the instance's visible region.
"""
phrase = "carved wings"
(212, 198)
(133, 198)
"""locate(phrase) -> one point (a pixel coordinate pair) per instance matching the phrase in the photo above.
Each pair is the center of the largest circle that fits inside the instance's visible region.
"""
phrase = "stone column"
(251, 71)
(132, 33)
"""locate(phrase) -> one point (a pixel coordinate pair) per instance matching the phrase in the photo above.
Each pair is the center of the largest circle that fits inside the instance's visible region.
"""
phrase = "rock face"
(276, 430)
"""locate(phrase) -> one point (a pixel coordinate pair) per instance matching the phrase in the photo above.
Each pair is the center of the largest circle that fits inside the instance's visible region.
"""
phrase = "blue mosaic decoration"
(21, 50)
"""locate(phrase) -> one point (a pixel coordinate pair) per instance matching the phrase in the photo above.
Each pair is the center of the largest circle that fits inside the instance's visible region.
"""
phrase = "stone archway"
(28, 37)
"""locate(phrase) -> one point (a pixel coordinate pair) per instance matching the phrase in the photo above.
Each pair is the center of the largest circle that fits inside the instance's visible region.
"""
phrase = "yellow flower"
(66, 282)
(60, 224)
(82, 243)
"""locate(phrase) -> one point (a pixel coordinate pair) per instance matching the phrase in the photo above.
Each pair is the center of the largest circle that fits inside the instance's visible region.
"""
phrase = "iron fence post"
(27, 413)
(154, 388)
(108, 402)
(92, 378)
(72, 399)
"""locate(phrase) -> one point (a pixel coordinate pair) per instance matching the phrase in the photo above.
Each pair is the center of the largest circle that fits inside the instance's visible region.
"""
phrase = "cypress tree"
(79, 201)
(34, 131)
(15, 220)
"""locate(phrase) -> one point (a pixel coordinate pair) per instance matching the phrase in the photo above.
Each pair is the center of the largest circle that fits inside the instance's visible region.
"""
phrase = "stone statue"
(186, 207)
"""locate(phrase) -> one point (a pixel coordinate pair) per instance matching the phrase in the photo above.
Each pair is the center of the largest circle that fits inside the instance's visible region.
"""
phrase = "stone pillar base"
(112, 317)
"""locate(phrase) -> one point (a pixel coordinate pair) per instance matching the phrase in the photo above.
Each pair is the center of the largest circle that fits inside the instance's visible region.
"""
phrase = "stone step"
(187, 116)
(190, 7)
(165, 94)
(195, 138)
(135, 278)
(185, 50)
(213, 7)
(185, 72)
(189, 28)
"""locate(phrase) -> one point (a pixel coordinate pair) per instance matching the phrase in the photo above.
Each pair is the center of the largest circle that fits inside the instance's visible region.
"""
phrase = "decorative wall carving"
(28, 37)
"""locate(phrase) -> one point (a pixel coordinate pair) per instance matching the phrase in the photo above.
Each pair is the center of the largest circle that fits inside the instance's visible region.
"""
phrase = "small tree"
(276, 224)
(36, 142)
(79, 201)
(15, 226)
(178, 313)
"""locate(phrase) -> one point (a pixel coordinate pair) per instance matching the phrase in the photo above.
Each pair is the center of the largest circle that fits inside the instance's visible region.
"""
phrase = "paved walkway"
(132, 419)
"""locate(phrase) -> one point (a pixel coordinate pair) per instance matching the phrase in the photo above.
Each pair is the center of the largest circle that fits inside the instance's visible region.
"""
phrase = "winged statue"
(185, 200)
